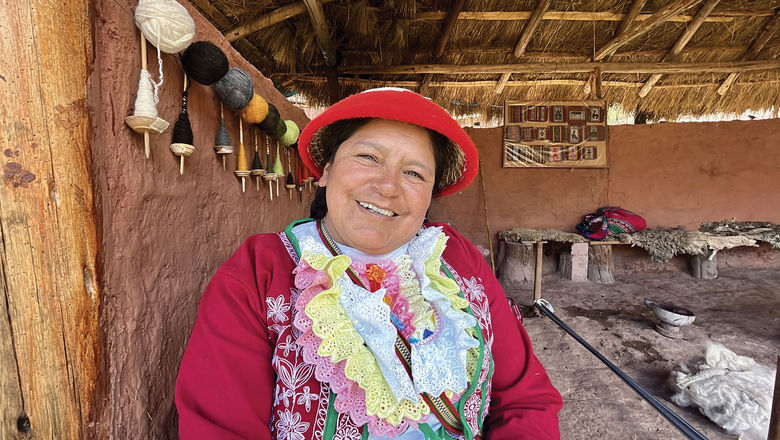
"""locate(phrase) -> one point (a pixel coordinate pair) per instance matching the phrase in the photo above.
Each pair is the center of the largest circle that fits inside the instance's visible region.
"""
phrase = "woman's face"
(379, 186)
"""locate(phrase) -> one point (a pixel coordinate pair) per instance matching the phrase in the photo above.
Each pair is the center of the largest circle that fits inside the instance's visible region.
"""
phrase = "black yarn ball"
(204, 62)
(182, 130)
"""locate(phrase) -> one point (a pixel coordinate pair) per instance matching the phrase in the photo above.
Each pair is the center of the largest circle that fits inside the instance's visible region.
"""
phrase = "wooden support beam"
(704, 67)
(566, 56)
(662, 15)
(716, 17)
(50, 349)
(631, 15)
(322, 31)
(526, 83)
(525, 38)
(686, 36)
(441, 44)
(767, 32)
(265, 20)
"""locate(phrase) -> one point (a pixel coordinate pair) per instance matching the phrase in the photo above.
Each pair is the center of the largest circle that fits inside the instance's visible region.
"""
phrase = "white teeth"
(377, 209)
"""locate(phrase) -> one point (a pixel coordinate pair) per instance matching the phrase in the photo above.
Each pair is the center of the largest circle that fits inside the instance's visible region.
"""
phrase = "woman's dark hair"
(333, 135)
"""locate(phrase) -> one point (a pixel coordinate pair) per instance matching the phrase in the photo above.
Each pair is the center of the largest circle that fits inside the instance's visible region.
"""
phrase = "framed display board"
(564, 134)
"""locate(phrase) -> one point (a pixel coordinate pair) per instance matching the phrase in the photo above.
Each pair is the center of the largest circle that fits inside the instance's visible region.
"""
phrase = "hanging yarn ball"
(165, 23)
(271, 120)
(278, 131)
(256, 111)
(204, 62)
(235, 88)
(290, 136)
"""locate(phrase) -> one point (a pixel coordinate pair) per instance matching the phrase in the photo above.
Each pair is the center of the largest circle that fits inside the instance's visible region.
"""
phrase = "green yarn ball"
(291, 135)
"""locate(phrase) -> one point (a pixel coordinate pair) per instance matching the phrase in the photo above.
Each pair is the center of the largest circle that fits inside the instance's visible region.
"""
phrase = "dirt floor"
(740, 309)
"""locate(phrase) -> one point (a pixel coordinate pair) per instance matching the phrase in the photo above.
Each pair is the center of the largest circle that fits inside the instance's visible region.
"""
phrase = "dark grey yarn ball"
(222, 139)
(235, 89)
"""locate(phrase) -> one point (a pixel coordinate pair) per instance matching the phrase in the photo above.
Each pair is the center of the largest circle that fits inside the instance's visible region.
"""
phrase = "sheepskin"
(519, 235)
(759, 231)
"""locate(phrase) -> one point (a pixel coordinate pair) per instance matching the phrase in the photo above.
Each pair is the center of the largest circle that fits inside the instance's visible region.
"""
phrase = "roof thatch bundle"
(712, 55)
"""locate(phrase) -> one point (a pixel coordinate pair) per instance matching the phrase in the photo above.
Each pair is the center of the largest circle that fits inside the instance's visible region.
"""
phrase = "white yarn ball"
(166, 24)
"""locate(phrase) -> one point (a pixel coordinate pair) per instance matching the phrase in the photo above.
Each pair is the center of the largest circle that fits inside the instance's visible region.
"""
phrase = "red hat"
(399, 105)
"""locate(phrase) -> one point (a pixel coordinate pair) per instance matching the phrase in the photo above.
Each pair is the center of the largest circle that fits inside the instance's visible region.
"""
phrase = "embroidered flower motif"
(290, 426)
(347, 433)
(306, 398)
(277, 308)
(474, 289)
(288, 345)
(471, 408)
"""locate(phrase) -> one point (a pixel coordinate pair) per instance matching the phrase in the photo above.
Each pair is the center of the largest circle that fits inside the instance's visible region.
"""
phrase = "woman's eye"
(415, 174)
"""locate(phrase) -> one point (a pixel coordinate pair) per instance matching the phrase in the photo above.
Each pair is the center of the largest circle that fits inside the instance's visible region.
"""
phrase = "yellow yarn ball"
(291, 135)
(256, 111)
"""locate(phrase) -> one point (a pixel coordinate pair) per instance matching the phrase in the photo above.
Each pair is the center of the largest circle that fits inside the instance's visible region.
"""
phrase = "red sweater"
(242, 376)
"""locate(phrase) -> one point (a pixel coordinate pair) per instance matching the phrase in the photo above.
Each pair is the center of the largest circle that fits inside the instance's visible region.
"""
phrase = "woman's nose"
(387, 182)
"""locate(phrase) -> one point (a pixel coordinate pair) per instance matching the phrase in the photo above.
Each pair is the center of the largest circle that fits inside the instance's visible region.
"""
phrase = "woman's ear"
(323, 181)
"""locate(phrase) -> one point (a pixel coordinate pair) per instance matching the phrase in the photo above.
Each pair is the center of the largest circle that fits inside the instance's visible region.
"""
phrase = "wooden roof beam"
(586, 67)
(444, 37)
(265, 20)
(322, 31)
(631, 15)
(686, 36)
(306, 77)
(525, 38)
(755, 47)
(662, 15)
(717, 17)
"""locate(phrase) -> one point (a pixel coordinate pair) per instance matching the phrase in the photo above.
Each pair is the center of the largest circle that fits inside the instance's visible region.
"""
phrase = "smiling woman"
(364, 321)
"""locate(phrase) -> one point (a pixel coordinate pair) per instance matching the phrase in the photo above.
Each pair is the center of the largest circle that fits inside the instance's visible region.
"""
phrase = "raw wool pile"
(663, 244)
(719, 242)
(759, 231)
(733, 391)
(519, 235)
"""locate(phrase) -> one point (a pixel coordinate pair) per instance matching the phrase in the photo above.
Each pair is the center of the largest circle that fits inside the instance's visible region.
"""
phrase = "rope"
(683, 426)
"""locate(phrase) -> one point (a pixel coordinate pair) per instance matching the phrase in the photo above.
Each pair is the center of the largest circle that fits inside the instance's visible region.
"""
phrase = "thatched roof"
(518, 50)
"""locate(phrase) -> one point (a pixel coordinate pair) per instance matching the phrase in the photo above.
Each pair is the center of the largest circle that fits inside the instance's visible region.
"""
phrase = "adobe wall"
(162, 235)
(673, 174)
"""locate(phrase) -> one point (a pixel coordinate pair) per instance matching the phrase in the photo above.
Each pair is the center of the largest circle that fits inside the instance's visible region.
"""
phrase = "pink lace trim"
(350, 397)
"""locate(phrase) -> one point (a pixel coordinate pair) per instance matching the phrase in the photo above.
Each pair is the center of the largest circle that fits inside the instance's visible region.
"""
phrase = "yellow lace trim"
(340, 341)
(410, 289)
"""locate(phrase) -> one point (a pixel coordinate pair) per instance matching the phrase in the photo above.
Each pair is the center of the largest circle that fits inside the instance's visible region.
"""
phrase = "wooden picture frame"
(571, 134)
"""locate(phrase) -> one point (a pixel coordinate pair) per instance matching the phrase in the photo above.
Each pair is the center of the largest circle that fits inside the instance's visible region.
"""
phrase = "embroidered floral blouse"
(287, 346)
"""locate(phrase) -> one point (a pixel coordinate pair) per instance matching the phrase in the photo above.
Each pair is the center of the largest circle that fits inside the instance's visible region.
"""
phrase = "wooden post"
(518, 262)
(49, 349)
(538, 270)
(704, 266)
(774, 418)
(601, 267)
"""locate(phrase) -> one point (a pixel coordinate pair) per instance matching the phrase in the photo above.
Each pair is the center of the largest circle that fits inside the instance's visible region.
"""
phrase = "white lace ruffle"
(439, 362)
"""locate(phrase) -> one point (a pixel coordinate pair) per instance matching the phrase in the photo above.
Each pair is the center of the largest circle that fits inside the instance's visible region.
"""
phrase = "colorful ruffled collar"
(347, 331)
